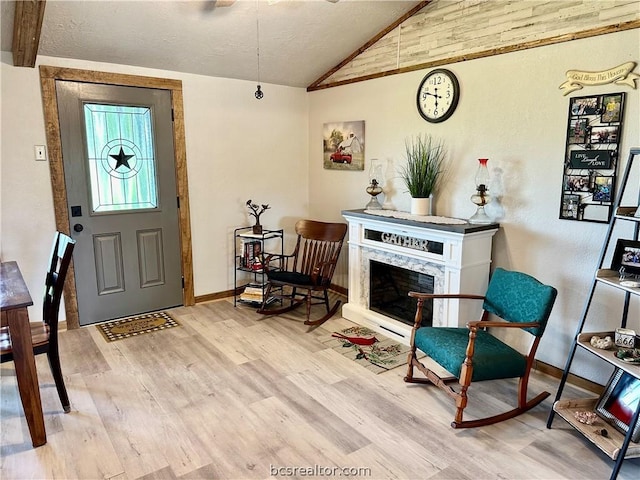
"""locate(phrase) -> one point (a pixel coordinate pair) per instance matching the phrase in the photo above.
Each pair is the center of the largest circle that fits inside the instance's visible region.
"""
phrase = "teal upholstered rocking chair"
(472, 354)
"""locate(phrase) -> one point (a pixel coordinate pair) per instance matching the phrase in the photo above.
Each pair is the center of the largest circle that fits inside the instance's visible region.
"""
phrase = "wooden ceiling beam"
(27, 25)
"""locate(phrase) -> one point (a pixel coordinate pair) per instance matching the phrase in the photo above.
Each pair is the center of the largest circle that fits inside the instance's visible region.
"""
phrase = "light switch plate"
(40, 152)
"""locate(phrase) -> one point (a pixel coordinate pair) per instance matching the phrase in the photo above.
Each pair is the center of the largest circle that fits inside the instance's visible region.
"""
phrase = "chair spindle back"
(318, 244)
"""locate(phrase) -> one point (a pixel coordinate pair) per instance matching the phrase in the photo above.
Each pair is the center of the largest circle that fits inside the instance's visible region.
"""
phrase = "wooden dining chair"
(304, 277)
(473, 354)
(44, 335)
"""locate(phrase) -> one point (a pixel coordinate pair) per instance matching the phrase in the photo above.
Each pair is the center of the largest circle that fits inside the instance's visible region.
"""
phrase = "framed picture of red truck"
(343, 145)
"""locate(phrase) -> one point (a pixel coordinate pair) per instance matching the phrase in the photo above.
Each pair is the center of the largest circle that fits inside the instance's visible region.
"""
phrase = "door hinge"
(178, 201)
(172, 116)
(183, 283)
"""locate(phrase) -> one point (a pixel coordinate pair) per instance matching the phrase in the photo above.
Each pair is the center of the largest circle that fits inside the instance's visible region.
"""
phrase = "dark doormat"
(138, 325)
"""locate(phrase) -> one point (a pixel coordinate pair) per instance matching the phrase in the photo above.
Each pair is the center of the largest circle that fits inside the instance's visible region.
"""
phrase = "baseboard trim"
(572, 379)
(214, 296)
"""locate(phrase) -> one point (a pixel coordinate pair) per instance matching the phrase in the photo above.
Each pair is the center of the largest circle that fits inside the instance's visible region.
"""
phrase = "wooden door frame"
(48, 77)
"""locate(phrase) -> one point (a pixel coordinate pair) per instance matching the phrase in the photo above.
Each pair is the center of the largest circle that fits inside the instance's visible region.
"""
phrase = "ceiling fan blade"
(210, 5)
(273, 2)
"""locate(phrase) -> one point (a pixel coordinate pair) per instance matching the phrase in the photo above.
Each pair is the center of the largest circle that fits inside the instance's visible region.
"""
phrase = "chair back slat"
(54, 282)
(518, 297)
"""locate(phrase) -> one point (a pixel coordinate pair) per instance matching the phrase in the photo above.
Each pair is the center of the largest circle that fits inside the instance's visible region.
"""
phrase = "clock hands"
(424, 94)
(435, 96)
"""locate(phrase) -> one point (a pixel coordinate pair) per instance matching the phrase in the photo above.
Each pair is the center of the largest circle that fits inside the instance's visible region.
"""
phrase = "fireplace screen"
(388, 292)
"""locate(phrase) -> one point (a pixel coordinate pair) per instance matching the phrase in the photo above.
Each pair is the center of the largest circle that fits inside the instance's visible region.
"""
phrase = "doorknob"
(78, 227)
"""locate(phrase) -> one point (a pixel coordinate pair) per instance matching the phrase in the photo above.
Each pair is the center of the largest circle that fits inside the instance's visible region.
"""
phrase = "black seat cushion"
(293, 278)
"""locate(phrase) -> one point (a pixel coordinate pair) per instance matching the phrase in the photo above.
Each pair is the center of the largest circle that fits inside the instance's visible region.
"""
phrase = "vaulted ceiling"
(285, 42)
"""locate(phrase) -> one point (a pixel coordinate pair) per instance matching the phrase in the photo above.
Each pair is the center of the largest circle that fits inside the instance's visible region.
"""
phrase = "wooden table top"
(13, 290)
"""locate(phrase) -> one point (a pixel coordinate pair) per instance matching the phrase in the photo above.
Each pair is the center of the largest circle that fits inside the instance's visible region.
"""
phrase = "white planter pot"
(421, 206)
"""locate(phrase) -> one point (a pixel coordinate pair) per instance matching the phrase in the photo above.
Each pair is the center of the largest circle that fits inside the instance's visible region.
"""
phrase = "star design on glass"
(122, 159)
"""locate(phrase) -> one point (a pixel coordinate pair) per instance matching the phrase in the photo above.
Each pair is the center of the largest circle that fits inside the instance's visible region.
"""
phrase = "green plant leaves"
(425, 165)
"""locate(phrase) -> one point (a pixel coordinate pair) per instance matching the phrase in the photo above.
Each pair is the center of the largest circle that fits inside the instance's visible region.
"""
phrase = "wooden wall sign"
(620, 75)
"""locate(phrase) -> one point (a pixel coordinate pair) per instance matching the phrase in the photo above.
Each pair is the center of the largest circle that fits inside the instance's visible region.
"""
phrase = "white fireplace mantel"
(458, 256)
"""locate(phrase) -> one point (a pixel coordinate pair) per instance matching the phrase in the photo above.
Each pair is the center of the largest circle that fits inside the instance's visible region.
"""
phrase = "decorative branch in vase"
(255, 211)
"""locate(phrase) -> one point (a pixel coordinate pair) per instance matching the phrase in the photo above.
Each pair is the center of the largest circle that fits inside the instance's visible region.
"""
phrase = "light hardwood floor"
(232, 394)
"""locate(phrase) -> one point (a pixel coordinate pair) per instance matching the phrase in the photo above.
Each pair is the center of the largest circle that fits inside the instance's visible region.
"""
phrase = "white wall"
(237, 148)
(512, 112)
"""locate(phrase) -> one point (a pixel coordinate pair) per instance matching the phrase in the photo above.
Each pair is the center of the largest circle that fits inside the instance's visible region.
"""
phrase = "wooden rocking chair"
(304, 277)
(472, 354)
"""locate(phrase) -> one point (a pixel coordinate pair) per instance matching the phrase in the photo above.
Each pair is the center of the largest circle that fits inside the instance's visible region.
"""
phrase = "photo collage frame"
(594, 128)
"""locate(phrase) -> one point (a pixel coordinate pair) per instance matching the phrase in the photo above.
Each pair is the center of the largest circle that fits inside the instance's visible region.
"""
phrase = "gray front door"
(118, 157)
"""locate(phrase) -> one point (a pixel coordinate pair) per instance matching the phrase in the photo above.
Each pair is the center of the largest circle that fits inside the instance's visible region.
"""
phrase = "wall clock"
(438, 95)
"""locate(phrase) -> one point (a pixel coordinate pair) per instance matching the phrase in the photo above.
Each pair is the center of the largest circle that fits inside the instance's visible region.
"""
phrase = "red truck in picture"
(340, 157)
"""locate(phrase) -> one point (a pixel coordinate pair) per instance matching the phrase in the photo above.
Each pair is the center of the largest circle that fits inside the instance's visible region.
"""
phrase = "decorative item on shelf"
(629, 355)
(423, 172)
(255, 211)
(376, 180)
(605, 343)
(626, 258)
(618, 402)
(586, 417)
(625, 337)
(481, 197)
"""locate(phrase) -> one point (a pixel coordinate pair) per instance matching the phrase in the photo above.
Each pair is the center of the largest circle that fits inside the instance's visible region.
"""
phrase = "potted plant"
(423, 170)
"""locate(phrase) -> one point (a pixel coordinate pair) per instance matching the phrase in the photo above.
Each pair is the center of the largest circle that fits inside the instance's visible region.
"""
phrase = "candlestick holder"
(481, 197)
(375, 186)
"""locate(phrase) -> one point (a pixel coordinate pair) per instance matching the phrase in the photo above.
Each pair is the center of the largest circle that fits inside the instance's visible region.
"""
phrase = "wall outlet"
(41, 152)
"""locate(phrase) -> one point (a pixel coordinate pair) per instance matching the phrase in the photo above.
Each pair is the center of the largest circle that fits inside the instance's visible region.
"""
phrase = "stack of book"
(252, 294)
(251, 258)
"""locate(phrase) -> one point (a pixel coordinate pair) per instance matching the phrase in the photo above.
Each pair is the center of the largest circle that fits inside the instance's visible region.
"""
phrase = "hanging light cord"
(258, 94)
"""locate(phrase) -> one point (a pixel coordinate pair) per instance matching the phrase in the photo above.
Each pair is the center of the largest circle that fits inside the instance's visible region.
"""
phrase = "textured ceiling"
(299, 40)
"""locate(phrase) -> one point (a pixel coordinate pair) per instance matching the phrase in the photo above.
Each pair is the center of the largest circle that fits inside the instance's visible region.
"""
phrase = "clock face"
(438, 95)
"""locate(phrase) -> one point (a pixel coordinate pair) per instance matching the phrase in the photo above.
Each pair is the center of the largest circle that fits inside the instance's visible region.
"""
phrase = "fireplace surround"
(443, 257)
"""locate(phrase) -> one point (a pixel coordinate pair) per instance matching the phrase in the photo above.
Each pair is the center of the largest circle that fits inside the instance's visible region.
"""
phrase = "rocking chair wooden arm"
(475, 324)
(270, 257)
(319, 272)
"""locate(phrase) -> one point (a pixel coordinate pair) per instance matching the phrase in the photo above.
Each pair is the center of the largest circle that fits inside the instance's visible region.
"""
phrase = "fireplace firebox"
(389, 288)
